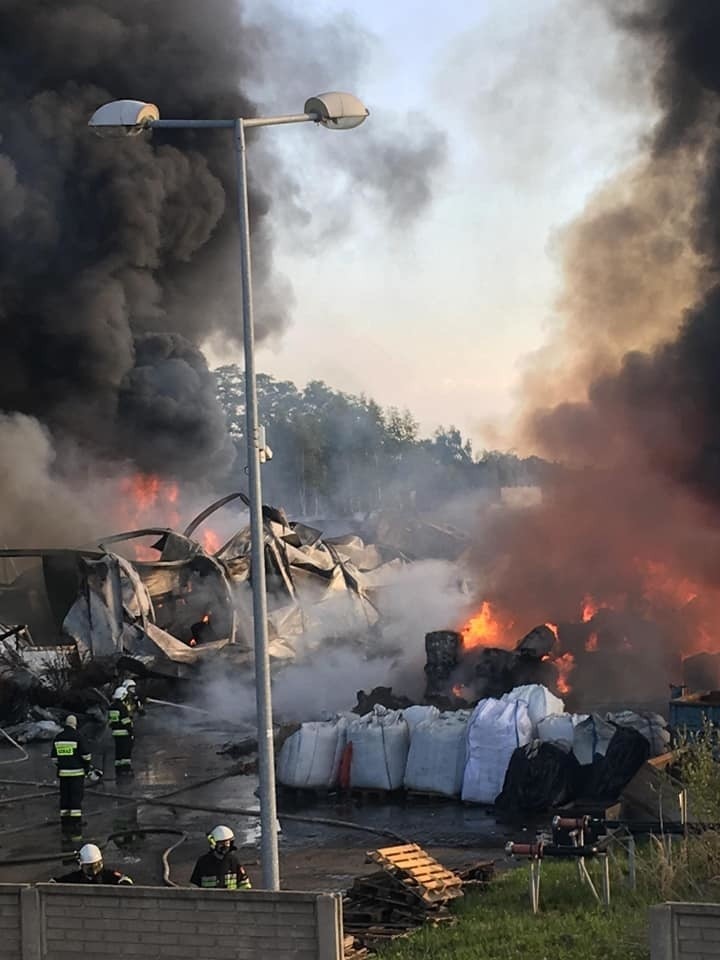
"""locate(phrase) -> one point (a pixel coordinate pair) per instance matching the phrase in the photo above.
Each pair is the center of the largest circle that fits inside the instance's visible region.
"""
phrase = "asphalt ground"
(172, 753)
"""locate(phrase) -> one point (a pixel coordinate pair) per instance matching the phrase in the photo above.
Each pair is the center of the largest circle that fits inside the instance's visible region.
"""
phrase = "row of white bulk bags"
(380, 742)
(436, 760)
(311, 756)
(496, 728)
(559, 728)
(540, 702)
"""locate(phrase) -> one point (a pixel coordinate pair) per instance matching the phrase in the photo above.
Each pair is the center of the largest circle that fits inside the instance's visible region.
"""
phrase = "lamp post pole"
(340, 111)
(263, 694)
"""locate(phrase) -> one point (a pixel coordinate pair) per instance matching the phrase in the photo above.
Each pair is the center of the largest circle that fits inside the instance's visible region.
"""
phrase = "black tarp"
(606, 777)
(540, 776)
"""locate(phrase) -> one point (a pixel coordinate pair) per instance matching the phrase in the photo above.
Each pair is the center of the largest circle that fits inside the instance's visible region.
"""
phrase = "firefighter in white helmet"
(91, 869)
(220, 869)
(134, 702)
(121, 727)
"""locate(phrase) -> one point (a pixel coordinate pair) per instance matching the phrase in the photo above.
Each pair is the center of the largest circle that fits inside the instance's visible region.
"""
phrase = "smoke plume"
(633, 520)
(119, 257)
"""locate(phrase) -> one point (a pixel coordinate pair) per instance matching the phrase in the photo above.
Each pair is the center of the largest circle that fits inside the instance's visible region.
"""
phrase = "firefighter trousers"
(72, 790)
(123, 754)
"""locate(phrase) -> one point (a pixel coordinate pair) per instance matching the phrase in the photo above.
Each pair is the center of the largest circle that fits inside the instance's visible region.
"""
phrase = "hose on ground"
(14, 744)
(161, 799)
(66, 857)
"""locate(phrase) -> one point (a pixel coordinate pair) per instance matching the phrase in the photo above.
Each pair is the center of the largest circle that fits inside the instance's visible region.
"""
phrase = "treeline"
(336, 453)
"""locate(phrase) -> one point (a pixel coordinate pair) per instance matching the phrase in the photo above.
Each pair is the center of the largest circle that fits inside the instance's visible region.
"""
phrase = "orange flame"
(554, 629)
(210, 542)
(591, 644)
(589, 608)
(565, 665)
(485, 629)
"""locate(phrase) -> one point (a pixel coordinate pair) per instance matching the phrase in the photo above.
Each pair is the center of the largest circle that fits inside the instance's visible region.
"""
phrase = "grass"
(499, 925)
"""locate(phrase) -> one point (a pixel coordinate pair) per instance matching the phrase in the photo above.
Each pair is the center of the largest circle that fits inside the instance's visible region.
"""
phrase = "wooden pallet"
(419, 871)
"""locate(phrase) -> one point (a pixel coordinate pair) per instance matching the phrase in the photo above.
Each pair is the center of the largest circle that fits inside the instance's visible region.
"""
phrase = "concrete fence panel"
(685, 931)
(63, 922)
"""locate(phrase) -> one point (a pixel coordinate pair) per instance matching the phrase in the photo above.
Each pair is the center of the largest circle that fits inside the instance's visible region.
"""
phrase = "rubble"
(170, 614)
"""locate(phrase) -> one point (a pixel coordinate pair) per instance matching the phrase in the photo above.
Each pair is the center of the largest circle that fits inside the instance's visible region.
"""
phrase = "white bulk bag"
(540, 702)
(591, 737)
(436, 761)
(496, 728)
(557, 728)
(651, 725)
(310, 757)
(418, 714)
(380, 742)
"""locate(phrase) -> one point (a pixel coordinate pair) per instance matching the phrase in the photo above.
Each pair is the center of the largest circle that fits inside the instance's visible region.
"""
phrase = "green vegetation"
(499, 925)
(340, 452)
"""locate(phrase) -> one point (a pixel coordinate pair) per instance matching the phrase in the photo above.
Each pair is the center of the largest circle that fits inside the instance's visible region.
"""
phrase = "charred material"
(443, 650)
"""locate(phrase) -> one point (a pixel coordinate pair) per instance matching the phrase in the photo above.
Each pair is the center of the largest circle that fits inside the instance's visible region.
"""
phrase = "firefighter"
(121, 726)
(135, 703)
(91, 869)
(220, 868)
(74, 762)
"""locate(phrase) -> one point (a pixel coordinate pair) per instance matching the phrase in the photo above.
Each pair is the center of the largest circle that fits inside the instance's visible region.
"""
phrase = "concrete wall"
(10, 922)
(63, 922)
(685, 931)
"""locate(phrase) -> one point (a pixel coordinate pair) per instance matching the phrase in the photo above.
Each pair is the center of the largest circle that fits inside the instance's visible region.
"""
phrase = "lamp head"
(337, 111)
(123, 118)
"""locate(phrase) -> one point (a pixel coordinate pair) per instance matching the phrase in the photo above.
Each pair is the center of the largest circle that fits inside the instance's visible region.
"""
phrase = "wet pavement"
(170, 755)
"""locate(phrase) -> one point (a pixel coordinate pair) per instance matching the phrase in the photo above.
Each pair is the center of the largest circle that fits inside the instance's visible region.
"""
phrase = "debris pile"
(410, 890)
(169, 606)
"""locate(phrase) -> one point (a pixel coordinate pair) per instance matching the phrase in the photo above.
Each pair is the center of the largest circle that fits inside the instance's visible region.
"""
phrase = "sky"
(538, 105)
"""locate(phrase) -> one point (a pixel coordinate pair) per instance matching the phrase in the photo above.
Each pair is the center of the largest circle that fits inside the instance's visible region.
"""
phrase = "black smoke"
(118, 259)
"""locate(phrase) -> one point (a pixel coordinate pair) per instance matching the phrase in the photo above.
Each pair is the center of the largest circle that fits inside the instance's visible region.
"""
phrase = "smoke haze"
(633, 521)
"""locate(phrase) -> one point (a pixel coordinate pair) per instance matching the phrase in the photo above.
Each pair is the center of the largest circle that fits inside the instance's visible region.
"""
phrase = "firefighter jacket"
(119, 719)
(105, 876)
(134, 704)
(213, 873)
(71, 754)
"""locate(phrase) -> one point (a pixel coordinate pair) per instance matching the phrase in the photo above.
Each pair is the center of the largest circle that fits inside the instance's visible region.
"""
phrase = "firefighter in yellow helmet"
(220, 869)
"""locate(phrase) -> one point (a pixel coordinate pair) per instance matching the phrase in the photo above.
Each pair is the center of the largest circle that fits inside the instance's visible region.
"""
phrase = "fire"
(565, 665)
(554, 629)
(210, 542)
(486, 629)
(458, 690)
(591, 644)
(589, 608)
(146, 500)
(149, 500)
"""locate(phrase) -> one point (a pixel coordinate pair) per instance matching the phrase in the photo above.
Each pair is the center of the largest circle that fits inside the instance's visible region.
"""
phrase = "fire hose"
(144, 831)
(162, 800)
(14, 743)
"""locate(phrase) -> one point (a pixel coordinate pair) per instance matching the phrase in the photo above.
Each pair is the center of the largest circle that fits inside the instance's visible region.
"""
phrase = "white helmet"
(91, 859)
(129, 684)
(221, 840)
(120, 693)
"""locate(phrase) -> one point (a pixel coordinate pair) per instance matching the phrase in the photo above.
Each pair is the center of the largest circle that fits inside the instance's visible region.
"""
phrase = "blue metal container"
(691, 711)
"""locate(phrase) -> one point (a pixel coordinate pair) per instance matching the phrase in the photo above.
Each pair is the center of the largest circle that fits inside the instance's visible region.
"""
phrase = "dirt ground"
(172, 755)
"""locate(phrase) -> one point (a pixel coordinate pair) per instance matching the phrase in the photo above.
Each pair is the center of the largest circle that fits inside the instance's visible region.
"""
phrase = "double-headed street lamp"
(336, 111)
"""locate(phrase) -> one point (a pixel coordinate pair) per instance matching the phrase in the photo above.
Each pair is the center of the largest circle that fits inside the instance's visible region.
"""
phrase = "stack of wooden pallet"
(410, 890)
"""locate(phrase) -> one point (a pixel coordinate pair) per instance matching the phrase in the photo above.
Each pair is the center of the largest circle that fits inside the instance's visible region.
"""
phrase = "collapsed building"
(166, 613)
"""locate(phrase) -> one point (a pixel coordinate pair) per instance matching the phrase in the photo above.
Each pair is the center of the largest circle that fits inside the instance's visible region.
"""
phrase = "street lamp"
(336, 111)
